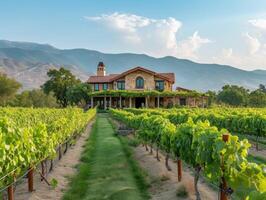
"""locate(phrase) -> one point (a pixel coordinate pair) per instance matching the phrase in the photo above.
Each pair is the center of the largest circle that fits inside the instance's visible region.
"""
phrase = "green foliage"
(212, 97)
(8, 88)
(182, 192)
(246, 121)
(256, 196)
(59, 83)
(28, 136)
(78, 94)
(233, 95)
(200, 145)
(130, 93)
(238, 96)
(34, 98)
(54, 183)
(257, 98)
(262, 88)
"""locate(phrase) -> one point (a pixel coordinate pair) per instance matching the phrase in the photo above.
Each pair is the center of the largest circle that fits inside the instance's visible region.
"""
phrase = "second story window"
(159, 85)
(139, 83)
(105, 86)
(120, 85)
(96, 87)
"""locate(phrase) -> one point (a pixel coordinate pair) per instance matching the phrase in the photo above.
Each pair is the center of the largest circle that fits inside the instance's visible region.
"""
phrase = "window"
(96, 87)
(159, 85)
(120, 85)
(183, 101)
(139, 83)
(105, 86)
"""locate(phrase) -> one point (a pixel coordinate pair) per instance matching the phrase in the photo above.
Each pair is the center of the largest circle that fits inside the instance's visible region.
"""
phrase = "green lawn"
(106, 170)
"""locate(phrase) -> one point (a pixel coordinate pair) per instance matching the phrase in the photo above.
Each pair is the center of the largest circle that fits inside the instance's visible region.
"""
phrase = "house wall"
(110, 86)
(149, 81)
(167, 84)
(130, 80)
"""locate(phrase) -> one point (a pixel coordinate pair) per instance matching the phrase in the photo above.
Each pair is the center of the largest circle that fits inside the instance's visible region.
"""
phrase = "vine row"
(202, 146)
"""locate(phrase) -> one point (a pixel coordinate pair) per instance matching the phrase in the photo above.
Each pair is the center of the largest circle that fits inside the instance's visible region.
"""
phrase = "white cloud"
(251, 54)
(161, 37)
(157, 37)
(258, 23)
(253, 43)
(227, 53)
(189, 47)
(123, 22)
(242, 60)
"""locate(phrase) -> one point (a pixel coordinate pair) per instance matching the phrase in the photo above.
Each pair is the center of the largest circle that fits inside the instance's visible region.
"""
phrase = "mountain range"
(29, 62)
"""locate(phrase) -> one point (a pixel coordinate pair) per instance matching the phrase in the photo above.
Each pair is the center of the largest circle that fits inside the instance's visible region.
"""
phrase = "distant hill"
(259, 71)
(29, 62)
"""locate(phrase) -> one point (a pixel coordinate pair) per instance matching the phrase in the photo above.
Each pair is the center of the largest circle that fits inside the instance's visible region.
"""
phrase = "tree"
(262, 88)
(212, 97)
(8, 88)
(257, 98)
(233, 95)
(60, 81)
(34, 98)
(78, 94)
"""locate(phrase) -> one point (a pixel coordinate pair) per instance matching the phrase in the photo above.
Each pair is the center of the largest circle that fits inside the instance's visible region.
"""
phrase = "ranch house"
(140, 87)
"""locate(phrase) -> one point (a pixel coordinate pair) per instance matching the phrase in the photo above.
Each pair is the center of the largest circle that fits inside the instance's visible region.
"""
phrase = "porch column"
(104, 102)
(110, 103)
(130, 102)
(92, 102)
(120, 102)
(158, 101)
(146, 102)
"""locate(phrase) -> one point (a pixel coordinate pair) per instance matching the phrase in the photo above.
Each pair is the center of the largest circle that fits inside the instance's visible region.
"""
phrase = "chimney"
(101, 69)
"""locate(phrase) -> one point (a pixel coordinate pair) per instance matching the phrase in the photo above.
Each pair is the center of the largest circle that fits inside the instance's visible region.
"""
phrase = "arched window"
(139, 82)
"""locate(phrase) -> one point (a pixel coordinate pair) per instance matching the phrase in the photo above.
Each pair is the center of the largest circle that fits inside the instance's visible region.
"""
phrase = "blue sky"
(226, 32)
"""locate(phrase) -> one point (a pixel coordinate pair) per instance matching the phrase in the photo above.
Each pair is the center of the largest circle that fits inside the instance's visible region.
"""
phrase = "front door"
(140, 102)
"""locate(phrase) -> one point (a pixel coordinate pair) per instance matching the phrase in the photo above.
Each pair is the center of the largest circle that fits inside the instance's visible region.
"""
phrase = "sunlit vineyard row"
(28, 136)
(187, 136)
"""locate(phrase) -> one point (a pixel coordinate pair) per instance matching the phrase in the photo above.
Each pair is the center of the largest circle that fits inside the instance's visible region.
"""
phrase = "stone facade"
(130, 82)
(129, 78)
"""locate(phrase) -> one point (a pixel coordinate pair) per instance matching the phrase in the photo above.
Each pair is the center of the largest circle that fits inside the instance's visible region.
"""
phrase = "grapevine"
(201, 145)
(28, 136)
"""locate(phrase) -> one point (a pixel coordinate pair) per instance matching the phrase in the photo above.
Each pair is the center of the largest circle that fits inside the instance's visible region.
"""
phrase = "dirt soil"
(254, 152)
(62, 171)
(164, 183)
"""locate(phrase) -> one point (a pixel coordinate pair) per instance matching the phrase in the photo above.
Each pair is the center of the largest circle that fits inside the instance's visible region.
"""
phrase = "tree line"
(62, 89)
(234, 95)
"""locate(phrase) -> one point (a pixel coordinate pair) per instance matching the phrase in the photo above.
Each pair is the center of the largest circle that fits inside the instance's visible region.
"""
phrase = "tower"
(101, 69)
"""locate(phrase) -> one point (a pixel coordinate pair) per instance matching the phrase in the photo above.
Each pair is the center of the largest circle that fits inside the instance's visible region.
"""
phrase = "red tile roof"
(101, 79)
(112, 77)
(170, 76)
(182, 89)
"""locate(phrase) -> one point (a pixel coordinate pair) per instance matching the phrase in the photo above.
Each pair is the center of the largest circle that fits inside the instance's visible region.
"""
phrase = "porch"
(106, 102)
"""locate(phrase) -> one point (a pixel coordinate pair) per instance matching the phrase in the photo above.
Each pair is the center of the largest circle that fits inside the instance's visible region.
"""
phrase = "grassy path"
(105, 171)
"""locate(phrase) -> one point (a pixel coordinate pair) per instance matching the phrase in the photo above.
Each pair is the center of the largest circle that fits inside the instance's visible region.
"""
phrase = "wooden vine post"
(66, 147)
(43, 169)
(179, 169)
(10, 192)
(30, 180)
(120, 101)
(223, 182)
(60, 152)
